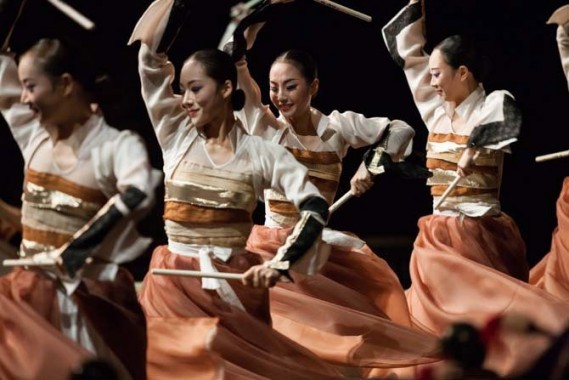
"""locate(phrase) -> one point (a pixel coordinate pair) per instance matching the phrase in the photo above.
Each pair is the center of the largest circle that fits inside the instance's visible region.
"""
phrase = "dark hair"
(460, 50)
(302, 61)
(95, 369)
(55, 58)
(220, 67)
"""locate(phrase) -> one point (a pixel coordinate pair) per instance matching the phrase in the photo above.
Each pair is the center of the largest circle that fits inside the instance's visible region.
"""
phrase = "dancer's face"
(446, 80)
(203, 98)
(41, 92)
(289, 90)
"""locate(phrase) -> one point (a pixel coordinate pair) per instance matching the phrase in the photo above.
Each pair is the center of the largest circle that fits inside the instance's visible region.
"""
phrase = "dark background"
(356, 73)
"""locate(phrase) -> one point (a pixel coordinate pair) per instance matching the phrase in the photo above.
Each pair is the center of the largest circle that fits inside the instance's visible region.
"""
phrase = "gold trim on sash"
(227, 235)
(40, 197)
(210, 195)
(474, 180)
(445, 165)
(53, 220)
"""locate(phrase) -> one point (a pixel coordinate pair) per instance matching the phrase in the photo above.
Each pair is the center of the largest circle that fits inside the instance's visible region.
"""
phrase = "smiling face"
(289, 90)
(40, 92)
(203, 98)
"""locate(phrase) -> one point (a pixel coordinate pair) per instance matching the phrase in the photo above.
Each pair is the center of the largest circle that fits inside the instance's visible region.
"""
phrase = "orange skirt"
(352, 313)
(463, 270)
(552, 272)
(194, 334)
(30, 311)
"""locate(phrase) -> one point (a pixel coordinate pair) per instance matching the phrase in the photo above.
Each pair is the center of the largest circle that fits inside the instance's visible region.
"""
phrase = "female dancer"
(215, 173)
(355, 296)
(550, 273)
(75, 163)
(468, 262)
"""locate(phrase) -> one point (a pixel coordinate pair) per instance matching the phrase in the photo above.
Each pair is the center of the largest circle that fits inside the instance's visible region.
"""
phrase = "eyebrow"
(285, 82)
(189, 83)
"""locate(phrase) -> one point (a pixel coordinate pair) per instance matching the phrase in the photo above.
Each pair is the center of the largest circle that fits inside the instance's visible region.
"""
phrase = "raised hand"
(362, 181)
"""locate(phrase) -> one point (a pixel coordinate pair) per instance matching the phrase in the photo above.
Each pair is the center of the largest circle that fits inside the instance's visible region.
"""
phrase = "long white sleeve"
(405, 39)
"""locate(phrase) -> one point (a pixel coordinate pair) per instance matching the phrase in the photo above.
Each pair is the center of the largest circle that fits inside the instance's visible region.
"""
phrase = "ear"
(463, 72)
(314, 86)
(67, 84)
(226, 89)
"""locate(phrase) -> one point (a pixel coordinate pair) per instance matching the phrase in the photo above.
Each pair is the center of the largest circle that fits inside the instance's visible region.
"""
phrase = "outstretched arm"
(125, 174)
(396, 142)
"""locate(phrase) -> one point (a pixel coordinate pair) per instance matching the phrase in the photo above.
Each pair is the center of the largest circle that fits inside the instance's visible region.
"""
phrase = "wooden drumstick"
(73, 14)
(197, 273)
(450, 188)
(344, 9)
(29, 262)
(453, 184)
(552, 156)
(343, 199)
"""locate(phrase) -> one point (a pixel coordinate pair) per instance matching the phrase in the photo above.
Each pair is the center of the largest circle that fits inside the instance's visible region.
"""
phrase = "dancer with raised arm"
(215, 173)
(355, 296)
(86, 185)
(468, 262)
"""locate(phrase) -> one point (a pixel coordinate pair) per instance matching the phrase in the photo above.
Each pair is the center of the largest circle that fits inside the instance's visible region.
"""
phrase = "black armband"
(411, 14)
(238, 47)
(495, 132)
(92, 234)
(377, 161)
(178, 15)
(313, 217)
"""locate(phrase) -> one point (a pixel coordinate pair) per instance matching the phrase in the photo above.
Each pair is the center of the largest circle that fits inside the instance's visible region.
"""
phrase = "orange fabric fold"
(552, 271)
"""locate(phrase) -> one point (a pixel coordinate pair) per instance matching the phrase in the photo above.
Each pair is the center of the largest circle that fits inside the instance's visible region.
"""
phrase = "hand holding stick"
(450, 188)
(453, 184)
(343, 199)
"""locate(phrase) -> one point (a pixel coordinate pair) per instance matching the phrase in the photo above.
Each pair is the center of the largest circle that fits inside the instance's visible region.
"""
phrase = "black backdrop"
(356, 73)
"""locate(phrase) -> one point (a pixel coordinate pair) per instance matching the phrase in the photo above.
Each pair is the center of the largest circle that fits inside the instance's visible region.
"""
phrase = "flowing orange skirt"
(352, 313)
(194, 334)
(30, 319)
(461, 270)
(552, 272)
